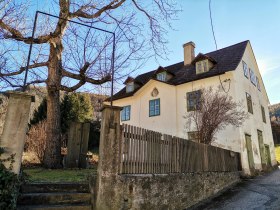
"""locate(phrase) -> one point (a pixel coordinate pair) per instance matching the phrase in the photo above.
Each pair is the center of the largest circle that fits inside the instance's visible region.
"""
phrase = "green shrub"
(9, 183)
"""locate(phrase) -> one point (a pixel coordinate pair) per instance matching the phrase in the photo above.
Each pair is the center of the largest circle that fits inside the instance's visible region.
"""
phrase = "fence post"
(109, 161)
(15, 127)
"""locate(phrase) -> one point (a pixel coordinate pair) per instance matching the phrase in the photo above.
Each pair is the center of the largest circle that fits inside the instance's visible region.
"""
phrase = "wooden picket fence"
(148, 152)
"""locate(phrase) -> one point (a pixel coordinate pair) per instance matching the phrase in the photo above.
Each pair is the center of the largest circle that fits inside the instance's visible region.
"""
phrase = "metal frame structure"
(82, 24)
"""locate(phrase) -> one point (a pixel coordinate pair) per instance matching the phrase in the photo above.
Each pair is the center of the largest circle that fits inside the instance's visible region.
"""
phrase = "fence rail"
(148, 152)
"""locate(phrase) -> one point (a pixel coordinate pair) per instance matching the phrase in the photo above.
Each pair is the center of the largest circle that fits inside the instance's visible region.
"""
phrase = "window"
(205, 65)
(263, 114)
(154, 107)
(130, 87)
(193, 100)
(245, 69)
(193, 135)
(253, 77)
(258, 84)
(249, 103)
(125, 114)
(202, 66)
(161, 76)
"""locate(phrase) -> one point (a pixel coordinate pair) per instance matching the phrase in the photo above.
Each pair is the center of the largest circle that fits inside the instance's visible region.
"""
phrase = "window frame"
(263, 114)
(196, 100)
(245, 69)
(252, 77)
(249, 103)
(125, 110)
(155, 113)
(130, 85)
(194, 133)
(163, 75)
(202, 65)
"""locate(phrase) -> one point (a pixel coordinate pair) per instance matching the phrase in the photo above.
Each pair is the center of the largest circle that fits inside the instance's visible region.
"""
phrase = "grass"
(277, 152)
(57, 175)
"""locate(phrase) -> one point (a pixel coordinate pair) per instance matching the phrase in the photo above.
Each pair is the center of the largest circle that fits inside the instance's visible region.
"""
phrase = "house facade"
(158, 100)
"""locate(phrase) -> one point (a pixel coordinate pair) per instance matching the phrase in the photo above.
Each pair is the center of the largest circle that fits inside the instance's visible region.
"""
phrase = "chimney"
(188, 52)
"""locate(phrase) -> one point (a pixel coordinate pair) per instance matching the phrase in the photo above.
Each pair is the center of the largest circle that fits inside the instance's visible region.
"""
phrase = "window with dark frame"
(263, 114)
(193, 135)
(125, 113)
(245, 69)
(253, 77)
(154, 107)
(249, 103)
(193, 100)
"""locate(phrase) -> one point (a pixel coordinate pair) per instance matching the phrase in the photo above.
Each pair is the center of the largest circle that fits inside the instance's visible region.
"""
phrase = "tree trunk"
(52, 156)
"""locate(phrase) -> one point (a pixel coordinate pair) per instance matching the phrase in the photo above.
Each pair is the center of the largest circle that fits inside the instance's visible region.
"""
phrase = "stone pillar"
(15, 127)
(109, 160)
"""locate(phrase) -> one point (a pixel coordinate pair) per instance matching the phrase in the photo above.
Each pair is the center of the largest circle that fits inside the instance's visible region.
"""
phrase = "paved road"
(260, 193)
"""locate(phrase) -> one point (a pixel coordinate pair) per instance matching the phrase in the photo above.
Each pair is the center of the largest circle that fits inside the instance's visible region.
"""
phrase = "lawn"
(57, 175)
(277, 152)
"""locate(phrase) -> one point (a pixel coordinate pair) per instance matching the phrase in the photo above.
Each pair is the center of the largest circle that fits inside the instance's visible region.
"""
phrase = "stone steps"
(54, 187)
(55, 207)
(49, 196)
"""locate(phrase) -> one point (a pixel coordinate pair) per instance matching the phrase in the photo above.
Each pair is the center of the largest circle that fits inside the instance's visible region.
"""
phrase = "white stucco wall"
(166, 121)
(255, 121)
(173, 107)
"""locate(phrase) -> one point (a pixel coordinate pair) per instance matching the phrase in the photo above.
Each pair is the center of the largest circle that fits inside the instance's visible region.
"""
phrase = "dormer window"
(131, 84)
(130, 87)
(203, 63)
(202, 66)
(161, 76)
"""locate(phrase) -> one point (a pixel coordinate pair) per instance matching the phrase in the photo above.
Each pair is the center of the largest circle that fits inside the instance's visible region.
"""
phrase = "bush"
(36, 139)
(9, 184)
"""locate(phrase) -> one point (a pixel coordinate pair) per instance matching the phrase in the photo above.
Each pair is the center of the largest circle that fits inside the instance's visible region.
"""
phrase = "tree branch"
(17, 35)
(22, 69)
(80, 12)
(83, 78)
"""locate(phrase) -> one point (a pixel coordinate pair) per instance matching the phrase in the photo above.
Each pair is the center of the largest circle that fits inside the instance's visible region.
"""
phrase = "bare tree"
(66, 56)
(3, 109)
(214, 110)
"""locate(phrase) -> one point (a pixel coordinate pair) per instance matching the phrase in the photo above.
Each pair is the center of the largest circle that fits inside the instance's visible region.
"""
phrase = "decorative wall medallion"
(155, 92)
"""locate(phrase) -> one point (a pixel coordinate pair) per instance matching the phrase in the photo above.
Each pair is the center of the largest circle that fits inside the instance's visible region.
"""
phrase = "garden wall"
(114, 190)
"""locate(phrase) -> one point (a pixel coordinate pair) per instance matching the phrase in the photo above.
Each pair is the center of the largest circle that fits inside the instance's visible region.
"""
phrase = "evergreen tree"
(40, 113)
(74, 107)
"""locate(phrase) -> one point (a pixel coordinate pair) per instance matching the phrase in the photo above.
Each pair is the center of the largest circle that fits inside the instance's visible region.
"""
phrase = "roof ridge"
(157, 68)
(228, 47)
(200, 52)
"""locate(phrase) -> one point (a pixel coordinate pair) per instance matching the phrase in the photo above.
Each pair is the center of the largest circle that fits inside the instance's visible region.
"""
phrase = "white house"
(158, 100)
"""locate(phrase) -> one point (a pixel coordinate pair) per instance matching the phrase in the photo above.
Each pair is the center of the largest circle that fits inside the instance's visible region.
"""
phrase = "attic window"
(162, 76)
(202, 66)
(130, 87)
(253, 77)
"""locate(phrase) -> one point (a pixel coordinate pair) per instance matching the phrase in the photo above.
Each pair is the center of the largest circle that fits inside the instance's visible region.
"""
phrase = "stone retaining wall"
(175, 191)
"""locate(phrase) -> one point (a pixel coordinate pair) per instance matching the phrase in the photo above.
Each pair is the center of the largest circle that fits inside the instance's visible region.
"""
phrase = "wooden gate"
(262, 148)
(267, 155)
(250, 152)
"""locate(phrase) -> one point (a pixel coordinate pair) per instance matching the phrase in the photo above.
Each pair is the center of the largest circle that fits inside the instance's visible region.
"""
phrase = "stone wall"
(174, 191)
(115, 191)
